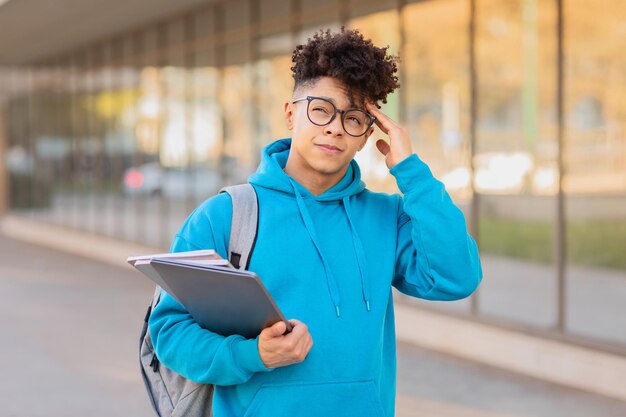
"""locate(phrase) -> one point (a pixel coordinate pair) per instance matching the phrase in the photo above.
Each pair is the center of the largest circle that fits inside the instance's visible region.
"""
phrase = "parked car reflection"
(143, 180)
(152, 179)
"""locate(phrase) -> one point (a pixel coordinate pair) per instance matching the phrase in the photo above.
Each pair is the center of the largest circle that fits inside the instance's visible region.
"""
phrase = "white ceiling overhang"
(34, 30)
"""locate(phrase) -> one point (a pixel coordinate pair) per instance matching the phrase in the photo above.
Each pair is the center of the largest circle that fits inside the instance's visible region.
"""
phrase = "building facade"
(518, 106)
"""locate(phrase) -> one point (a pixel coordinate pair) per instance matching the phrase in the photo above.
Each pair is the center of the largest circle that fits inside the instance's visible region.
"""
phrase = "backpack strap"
(243, 232)
(245, 224)
(155, 300)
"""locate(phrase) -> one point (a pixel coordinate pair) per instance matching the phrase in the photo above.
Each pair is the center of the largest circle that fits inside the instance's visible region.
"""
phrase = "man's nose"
(335, 127)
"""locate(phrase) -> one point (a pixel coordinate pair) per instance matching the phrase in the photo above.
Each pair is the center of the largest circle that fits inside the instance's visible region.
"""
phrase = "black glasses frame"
(342, 112)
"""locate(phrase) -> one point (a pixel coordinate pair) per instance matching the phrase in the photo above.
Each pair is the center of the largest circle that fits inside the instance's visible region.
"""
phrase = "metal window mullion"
(78, 124)
(141, 210)
(473, 85)
(116, 66)
(4, 174)
(91, 166)
(108, 159)
(401, 72)
(161, 61)
(560, 241)
(255, 24)
(32, 130)
(189, 56)
(220, 62)
(59, 131)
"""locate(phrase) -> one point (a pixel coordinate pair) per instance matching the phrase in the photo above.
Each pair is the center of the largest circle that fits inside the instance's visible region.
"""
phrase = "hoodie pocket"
(350, 398)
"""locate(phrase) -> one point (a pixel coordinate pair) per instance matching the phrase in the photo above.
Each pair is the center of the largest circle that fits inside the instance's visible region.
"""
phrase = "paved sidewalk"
(68, 348)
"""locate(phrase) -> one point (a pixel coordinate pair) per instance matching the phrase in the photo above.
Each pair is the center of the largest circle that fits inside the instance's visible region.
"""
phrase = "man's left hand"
(399, 146)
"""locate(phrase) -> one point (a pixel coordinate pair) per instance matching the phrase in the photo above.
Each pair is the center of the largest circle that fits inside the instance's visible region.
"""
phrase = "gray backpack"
(172, 394)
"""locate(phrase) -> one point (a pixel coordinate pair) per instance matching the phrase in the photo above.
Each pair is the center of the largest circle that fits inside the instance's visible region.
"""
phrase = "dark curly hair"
(365, 69)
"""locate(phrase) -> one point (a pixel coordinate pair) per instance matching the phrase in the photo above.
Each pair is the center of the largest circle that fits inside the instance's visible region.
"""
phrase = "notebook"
(220, 298)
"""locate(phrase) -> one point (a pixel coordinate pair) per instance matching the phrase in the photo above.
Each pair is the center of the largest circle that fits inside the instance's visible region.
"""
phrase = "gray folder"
(221, 299)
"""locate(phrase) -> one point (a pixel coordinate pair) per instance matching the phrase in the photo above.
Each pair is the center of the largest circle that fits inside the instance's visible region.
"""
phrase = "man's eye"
(355, 120)
(322, 109)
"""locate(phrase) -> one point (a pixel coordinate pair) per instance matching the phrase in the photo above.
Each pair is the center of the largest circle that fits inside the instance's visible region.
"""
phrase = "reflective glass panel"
(595, 177)
(515, 159)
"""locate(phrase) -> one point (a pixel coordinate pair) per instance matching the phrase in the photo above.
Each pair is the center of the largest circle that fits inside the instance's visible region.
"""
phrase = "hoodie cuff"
(410, 172)
(246, 353)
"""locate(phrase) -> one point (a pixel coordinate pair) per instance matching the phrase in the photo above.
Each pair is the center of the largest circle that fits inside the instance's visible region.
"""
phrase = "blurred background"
(118, 118)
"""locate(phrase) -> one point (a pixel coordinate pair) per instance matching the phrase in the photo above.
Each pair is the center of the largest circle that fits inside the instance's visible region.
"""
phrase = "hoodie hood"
(271, 175)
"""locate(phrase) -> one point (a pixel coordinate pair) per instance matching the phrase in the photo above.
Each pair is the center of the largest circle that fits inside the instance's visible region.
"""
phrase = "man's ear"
(288, 115)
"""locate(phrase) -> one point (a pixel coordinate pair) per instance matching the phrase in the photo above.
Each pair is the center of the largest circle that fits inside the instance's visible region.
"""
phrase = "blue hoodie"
(329, 261)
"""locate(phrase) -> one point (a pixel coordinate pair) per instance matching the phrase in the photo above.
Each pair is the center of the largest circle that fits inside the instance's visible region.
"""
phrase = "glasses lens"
(321, 111)
(356, 122)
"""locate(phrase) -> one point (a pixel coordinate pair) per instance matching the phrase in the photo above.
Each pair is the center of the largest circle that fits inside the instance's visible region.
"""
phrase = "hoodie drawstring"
(360, 255)
(308, 223)
(358, 246)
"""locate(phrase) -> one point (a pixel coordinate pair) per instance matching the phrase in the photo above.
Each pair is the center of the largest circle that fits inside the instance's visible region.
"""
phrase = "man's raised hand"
(399, 146)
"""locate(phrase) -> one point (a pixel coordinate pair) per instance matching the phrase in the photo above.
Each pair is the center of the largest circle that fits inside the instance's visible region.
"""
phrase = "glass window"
(208, 134)
(49, 146)
(128, 97)
(273, 76)
(107, 108)
(515, 159)
(179, 184)
(274, 88)
(595, 176)
(92, 143)
(149, 126)
(238, 110)
(435, 87)
(20, 157)
(80, 110)
(73, 74)
(206, 120)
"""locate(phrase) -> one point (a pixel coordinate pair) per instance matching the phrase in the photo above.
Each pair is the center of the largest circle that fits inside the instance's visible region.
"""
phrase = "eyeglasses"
(322, 112)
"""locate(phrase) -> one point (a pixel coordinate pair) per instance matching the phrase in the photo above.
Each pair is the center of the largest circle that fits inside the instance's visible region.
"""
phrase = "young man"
(328, 250)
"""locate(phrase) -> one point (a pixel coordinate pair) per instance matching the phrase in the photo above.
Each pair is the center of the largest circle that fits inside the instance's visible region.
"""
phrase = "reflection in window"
(191, 128)
(149, 111)
(595, 177)
(274, 88)
(515, 159)
(595, 103)
(236, 97)
(436, 90)
(207, 135)
(516, 148)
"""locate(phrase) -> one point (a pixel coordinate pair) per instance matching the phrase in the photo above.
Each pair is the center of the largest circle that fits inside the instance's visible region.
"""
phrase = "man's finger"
(278, 329)
(299, 330)
(383, 146)
(384, 122)
(294, 322)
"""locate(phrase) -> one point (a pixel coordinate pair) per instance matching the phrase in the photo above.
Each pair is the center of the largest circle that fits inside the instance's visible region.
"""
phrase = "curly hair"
(364, 68)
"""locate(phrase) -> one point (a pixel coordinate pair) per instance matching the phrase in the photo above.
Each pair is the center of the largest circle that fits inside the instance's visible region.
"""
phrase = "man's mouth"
(329, 148)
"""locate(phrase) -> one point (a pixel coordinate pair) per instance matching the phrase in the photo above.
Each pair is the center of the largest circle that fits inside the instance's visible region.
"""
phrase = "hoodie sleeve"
(179, 342)
(436, 259)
